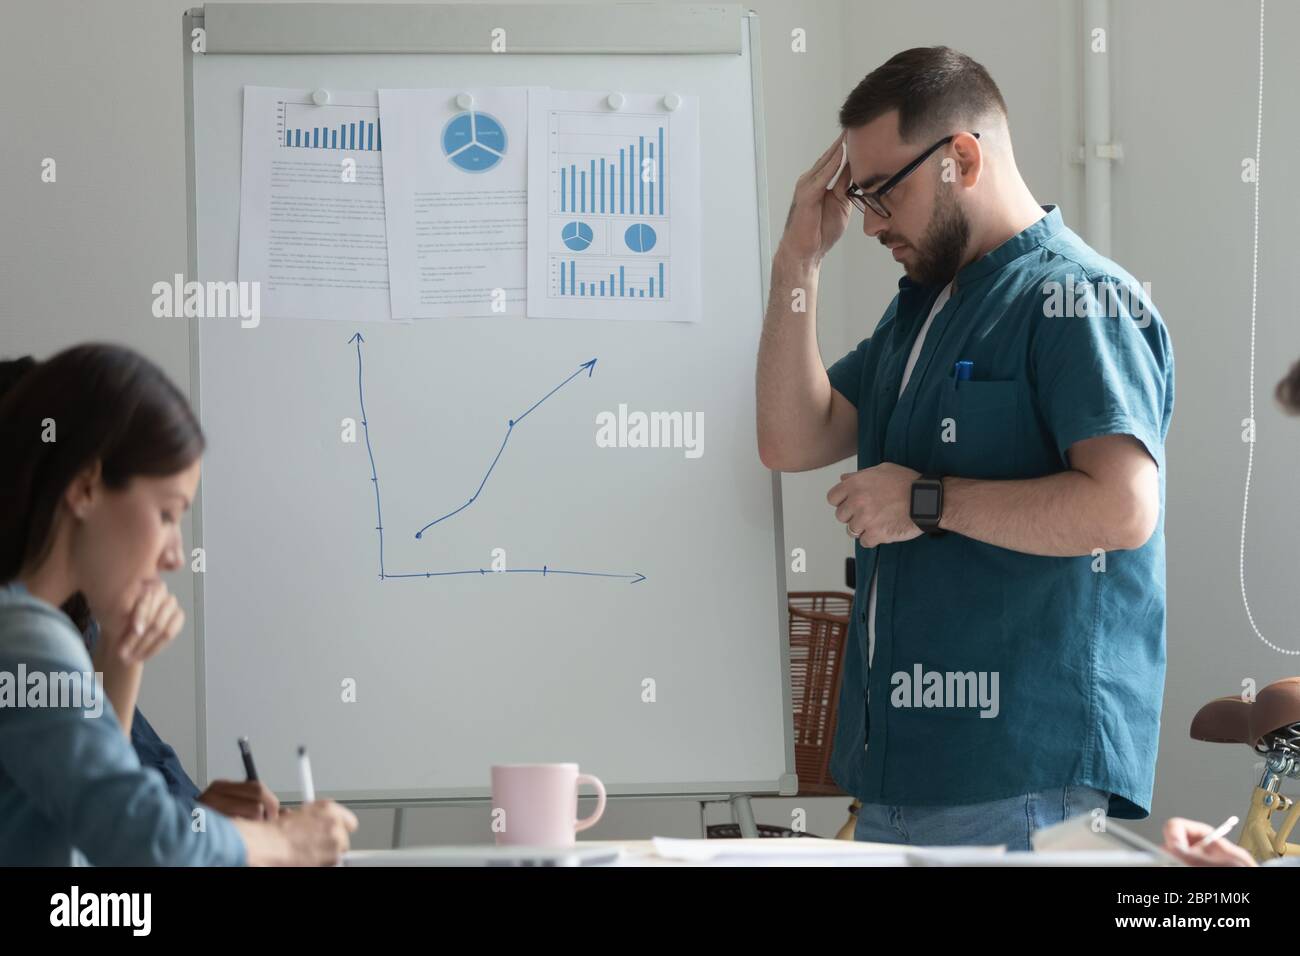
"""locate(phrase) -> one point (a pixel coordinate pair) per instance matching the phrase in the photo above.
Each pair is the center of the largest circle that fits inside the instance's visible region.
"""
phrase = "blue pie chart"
(474, 141)
(576, 235)
(639, 237)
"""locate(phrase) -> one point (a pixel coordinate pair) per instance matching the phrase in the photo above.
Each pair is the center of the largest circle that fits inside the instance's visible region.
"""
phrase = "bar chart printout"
(311, 204)
(307, 126)
(613, 207)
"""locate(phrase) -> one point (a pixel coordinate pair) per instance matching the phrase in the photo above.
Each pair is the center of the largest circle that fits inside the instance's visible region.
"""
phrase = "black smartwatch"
(927, 504)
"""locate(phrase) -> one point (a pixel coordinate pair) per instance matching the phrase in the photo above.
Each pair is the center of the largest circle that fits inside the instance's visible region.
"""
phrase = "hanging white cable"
(1254, 287)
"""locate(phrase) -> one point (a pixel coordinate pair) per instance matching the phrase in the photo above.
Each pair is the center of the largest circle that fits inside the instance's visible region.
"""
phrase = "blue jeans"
(1010, 822)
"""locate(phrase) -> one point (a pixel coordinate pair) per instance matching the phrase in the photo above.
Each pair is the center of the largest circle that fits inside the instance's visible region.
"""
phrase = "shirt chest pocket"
(979, 429)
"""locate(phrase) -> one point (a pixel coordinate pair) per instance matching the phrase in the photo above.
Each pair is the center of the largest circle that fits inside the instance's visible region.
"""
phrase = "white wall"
(1186, 113)
(97, 86)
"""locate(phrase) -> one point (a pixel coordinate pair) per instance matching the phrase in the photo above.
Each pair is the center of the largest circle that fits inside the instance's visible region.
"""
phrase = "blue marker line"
(374, 475)
(510, 427)
(635, 577)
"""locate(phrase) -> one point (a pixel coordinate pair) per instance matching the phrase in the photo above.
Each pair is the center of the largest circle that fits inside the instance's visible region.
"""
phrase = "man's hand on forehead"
(844, 161)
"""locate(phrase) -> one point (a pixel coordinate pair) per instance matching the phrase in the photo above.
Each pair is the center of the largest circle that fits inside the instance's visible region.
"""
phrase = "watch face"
(925, 502)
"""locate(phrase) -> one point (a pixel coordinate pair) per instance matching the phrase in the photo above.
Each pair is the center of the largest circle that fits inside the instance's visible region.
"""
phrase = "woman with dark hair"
(236, 798)
(101, 458)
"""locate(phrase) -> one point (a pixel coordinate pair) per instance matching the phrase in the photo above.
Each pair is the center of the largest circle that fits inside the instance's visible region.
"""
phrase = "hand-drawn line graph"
(545, 570)
(510, 427)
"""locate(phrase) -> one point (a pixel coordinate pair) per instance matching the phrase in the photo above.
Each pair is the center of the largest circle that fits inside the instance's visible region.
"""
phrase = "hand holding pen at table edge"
(314, 834)
(1199, 844)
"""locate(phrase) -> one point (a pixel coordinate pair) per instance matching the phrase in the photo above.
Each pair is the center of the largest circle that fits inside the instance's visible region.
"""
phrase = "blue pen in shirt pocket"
(979, 421)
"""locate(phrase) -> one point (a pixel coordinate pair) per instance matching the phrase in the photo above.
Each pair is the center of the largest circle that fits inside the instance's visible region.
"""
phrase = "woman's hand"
(1180, 834)
(153, 622)
(316, 834)
(155, 619)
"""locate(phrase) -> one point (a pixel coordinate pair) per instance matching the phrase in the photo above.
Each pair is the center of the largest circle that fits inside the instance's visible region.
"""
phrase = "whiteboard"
(454, 673)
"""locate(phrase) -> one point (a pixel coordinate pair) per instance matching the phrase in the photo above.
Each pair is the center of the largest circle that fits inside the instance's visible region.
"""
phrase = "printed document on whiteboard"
(311, 205)
(613, 207)
(455, 189)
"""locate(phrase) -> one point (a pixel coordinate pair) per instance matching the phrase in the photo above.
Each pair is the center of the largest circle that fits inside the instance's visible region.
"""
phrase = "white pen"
(1217, 832)
(304, 777)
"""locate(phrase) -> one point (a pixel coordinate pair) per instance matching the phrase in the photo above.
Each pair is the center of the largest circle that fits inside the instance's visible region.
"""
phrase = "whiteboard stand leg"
(399, 820)
(743, 814)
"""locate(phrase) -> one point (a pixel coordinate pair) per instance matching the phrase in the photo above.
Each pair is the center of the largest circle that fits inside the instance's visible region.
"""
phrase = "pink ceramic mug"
(537, 803)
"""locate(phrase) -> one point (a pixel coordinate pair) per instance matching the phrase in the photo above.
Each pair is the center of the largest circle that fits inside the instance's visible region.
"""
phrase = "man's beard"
(940, 251)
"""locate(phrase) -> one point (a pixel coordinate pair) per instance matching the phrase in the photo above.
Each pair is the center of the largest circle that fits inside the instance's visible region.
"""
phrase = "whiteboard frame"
(327, 28)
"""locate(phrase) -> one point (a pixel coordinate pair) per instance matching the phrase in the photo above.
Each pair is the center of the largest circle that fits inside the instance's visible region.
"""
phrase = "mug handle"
(590, 821)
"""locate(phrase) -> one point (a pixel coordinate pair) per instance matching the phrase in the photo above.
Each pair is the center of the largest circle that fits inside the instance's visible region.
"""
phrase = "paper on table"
(613, 207)
(955, 856)
(311, 205)
(795, 850)
(455, 189)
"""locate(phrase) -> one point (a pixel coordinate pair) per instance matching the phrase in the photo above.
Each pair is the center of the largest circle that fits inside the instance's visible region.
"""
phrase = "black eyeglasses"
(864, 200)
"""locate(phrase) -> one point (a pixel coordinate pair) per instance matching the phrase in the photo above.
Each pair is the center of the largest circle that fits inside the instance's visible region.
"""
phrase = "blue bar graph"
(663, 161)
(605, 285)
(608, 173)
(626, 179)
(309, 127)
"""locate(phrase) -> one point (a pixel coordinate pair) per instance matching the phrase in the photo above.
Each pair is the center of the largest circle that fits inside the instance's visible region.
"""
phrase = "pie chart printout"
(474, 141)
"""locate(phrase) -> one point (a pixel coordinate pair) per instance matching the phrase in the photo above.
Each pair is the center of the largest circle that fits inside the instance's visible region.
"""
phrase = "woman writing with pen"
(100, 459)
(235, 798)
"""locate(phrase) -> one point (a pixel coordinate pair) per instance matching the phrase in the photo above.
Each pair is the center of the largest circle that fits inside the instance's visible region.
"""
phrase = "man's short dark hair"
(935, 89)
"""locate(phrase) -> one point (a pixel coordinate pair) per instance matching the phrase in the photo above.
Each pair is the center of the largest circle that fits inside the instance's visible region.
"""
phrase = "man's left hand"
(875, 504)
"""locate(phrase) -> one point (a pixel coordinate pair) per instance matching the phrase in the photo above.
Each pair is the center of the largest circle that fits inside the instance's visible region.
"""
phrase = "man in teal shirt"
(1005, 663)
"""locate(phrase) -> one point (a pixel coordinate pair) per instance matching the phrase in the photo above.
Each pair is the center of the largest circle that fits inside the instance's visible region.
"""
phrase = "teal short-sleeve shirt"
(996, 672)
